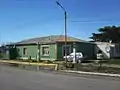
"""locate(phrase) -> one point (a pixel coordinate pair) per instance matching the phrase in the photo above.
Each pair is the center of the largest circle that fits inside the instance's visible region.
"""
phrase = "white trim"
(41, 50)
(45, 46)
(48, 59)
(24, 58)
(33, 58)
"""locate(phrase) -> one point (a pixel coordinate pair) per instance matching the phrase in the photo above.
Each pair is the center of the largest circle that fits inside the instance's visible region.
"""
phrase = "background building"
(109, 50)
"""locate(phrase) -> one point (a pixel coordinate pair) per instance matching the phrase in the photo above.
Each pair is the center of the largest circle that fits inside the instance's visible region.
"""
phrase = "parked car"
(79, 57)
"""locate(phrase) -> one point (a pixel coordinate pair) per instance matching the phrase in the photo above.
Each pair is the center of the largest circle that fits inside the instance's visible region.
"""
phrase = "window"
(45, 51)
(24, 51)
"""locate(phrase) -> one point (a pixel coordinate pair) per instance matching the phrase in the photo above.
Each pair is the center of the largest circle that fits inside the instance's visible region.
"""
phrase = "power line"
(94, 21)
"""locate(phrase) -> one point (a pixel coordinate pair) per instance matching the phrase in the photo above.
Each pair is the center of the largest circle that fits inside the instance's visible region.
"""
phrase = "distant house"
(49, 48)
(109, 50)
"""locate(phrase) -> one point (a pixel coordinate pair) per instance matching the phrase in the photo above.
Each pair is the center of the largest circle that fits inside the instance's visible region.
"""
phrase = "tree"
(106, 34)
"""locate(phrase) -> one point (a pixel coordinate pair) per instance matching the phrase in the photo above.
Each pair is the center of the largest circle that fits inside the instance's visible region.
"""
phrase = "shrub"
(68, 64)
(33, 60)
(1, 55)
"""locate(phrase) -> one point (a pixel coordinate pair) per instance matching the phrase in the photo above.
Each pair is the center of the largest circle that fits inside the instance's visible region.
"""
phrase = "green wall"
(59, 50)
(52, 52)
(31, 49)
(55, 51)
(86, 48)
(33, 52)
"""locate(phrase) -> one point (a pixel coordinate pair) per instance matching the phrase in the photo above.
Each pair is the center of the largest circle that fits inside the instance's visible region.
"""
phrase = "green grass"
(117, 62)
(92, 68)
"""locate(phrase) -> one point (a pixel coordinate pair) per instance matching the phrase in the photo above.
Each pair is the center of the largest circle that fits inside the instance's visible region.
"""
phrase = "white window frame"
(42, 50)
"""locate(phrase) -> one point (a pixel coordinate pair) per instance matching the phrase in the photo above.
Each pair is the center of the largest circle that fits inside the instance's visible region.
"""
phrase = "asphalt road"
(18, 79)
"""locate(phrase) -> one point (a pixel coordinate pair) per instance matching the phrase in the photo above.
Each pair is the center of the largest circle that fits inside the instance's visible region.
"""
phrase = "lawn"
(117, 62)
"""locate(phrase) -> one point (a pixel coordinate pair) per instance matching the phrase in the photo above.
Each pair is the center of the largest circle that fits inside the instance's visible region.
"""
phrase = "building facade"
(51, 48)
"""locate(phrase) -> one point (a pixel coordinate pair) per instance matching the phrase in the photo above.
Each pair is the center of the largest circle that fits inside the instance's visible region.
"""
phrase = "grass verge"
(117, 62)
(90, 68)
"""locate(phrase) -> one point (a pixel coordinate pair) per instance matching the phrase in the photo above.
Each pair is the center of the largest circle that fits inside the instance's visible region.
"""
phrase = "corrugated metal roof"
(50, 39)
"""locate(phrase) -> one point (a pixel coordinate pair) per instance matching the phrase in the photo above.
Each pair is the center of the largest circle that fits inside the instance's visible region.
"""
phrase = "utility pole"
(38, 52)
(65, 27)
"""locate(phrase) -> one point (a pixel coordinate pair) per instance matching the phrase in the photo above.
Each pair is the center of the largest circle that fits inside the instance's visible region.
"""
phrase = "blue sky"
(22, 19)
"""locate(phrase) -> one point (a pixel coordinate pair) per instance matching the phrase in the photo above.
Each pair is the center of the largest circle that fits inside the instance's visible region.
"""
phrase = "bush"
(117, 61)
(1, 55)
(33, 60)
(68, 64)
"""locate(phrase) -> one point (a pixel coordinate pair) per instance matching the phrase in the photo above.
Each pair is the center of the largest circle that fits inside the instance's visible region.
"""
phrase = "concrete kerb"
(29, 63)
(92, 73)
(56, 68)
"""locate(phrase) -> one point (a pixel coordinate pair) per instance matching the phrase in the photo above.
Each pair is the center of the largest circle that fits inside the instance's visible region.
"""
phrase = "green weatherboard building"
(49, 48)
